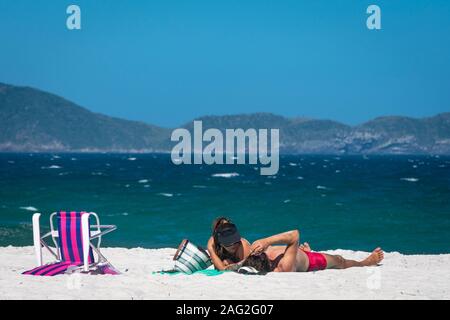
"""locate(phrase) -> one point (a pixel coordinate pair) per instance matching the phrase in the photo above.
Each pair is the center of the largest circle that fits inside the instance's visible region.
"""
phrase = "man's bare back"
(275, 253)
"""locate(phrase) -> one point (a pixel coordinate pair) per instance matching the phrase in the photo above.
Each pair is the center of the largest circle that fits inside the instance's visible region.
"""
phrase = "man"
(291, 258)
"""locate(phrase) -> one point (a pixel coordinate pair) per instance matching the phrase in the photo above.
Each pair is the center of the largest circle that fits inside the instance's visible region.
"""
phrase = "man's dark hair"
(260, 262)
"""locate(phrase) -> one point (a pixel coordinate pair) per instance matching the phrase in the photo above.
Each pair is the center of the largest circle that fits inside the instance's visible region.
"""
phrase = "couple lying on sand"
(229, 251)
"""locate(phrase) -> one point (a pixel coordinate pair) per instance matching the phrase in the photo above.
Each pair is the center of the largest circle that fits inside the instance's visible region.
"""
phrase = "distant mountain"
(384, 135)
(401, 135)
(33, 120)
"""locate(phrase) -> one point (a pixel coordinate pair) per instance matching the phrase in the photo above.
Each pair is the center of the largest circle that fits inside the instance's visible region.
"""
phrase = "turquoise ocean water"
(401, 203)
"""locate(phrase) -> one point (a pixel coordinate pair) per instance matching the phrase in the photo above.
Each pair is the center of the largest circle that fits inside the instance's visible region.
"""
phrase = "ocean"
(401, 203)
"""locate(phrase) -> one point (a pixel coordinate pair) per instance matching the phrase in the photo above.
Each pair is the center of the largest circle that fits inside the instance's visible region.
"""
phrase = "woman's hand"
(235, 266)
(232, 267)
(259, 246)
(227, 262)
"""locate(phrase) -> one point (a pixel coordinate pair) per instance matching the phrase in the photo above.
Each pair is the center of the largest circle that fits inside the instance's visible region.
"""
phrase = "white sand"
(399, 277)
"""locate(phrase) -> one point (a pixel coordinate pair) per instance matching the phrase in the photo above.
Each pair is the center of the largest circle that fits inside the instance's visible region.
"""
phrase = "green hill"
(33, 120)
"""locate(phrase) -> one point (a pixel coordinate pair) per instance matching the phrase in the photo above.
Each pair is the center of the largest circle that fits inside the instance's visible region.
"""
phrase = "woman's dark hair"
(217, 222)
(220, 251)
(260, 262)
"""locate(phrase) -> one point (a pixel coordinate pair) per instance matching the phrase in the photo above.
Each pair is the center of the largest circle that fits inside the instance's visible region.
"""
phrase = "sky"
(167, 62)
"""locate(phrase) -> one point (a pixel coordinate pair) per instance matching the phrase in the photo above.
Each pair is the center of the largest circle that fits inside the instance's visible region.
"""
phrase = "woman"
(225, 246)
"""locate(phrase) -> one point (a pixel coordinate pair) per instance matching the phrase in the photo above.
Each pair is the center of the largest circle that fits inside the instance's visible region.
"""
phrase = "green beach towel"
(206, 272)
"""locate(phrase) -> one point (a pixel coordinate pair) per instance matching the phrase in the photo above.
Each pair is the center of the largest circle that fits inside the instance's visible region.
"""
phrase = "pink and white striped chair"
(73, 240)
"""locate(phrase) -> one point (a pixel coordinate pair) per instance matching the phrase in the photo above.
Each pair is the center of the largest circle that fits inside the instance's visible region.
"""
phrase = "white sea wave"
(131, 159)
(52, 167)
(225, 175)
(29, 208)
(410, 179)
(143, 181)
(166, 194)
(321, 188)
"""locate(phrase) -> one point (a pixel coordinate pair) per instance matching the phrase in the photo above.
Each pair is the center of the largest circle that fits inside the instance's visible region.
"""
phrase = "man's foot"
(375, 257)
(305, 247)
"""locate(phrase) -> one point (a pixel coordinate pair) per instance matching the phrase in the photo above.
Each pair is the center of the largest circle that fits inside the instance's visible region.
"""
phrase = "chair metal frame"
(97, 232)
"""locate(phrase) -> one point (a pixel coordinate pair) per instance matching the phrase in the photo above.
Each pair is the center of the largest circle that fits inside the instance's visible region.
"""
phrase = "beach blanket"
(206, 272)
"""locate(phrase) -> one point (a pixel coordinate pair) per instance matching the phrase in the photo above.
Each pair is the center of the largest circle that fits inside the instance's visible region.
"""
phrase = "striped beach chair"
(75, 241)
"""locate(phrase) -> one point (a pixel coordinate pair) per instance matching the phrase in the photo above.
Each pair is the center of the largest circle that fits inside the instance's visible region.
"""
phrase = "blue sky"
(166, 62)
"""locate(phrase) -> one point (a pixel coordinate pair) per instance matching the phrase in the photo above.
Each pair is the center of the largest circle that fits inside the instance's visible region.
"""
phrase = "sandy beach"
(399, 277)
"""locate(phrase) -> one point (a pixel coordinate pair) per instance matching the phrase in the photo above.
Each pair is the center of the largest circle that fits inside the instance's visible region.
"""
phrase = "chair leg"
(86, 240)
(37, 238)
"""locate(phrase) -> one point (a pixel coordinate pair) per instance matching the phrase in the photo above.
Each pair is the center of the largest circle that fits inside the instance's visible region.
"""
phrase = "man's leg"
(338, 262)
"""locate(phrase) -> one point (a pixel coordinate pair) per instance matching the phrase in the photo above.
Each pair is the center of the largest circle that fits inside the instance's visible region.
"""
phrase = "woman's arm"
(218, 263)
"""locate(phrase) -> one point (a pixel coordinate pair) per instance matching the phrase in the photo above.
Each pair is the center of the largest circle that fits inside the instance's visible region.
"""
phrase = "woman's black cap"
(227, 234)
